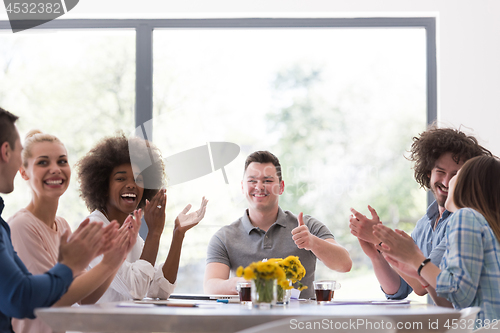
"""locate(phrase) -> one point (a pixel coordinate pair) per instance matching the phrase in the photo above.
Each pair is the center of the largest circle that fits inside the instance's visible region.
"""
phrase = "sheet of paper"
(361, 301)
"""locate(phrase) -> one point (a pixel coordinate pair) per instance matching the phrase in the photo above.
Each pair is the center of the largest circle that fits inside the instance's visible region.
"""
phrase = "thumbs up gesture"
(301, 235)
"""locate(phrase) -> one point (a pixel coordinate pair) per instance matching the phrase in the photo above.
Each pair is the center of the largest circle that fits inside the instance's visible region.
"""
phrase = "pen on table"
(231, 300)
(180, 305)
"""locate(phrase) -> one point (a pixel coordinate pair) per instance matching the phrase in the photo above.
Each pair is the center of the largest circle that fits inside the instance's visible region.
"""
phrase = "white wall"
(468, 42)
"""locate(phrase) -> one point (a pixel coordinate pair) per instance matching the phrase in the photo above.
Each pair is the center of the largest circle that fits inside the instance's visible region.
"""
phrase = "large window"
(78, 85)
(338, 102)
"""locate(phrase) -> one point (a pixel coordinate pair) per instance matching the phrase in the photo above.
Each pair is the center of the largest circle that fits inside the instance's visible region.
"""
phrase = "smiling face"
(441, 175)
(261, 186)
(124, 193)
(47, 170)
(450, 203)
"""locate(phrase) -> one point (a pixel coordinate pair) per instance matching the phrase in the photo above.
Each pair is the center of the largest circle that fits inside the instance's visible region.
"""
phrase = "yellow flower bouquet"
(264, 275)
(294, 272)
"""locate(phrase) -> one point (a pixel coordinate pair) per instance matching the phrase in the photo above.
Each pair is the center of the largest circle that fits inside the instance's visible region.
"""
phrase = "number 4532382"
(34, 8)
(470, 324)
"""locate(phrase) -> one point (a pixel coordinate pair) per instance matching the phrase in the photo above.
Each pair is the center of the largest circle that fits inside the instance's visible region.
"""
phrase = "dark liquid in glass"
(245, 294)
(324, 295)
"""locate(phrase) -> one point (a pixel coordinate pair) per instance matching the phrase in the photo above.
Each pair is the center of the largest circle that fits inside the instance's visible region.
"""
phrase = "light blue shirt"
(470, 270)
(430, 241)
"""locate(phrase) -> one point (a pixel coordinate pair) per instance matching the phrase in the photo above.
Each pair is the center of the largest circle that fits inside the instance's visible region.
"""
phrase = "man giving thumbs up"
(267, 231)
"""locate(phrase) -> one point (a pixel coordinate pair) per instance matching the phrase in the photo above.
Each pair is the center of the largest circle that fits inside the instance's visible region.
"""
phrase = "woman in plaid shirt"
(469, 273)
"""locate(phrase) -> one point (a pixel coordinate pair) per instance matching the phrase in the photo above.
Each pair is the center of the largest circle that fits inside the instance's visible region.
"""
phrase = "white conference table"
(217, 317)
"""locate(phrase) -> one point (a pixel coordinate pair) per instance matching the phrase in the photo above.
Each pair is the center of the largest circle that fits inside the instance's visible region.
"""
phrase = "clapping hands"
(362, 227)
(154, 212)
(185, 221)
(123, 239)
(399, 249)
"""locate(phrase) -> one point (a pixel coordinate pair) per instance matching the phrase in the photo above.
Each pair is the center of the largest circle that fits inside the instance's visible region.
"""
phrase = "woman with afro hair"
(113, 188)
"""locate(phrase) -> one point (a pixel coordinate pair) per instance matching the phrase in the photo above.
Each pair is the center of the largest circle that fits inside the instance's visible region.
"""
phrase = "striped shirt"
(470, 269)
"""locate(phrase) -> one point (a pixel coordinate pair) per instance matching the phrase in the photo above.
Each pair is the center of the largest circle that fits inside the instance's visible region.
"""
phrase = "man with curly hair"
(113, 188)
(438, 154)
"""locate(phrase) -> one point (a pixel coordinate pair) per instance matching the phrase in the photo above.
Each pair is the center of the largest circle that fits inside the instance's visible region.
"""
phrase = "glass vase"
(284, 295)
(264, 293)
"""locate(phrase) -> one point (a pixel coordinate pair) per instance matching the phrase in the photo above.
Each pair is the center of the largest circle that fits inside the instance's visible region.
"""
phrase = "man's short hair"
(8, 130)
(263, 156)
(431, 144)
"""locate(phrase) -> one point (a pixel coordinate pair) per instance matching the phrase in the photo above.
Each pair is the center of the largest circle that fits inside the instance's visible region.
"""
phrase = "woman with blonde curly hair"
(113, 188)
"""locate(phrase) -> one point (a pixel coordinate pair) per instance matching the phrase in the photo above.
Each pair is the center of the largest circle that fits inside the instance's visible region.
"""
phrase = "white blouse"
(136, 278)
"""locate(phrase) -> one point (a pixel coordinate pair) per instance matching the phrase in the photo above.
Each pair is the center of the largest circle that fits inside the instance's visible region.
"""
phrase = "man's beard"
(440, 199)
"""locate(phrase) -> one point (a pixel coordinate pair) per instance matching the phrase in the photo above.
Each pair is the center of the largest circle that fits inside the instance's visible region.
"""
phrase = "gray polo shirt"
(240, 244)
